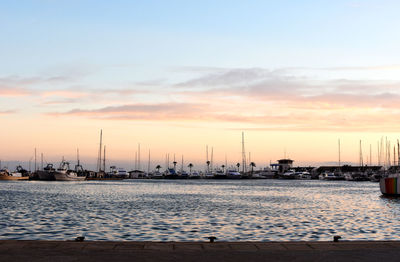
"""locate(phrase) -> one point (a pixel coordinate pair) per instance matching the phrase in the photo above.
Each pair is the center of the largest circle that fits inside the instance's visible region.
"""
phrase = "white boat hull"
(68, 177)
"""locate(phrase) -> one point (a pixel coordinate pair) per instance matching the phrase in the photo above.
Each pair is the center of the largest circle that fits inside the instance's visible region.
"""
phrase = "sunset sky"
(176, 76)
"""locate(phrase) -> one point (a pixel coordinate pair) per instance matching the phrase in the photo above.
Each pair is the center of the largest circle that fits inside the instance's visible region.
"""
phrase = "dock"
(34, 250)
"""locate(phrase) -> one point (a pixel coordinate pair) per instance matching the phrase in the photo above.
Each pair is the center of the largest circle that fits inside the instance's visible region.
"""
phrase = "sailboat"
(390, 184)
(101, 164)
(208, 173)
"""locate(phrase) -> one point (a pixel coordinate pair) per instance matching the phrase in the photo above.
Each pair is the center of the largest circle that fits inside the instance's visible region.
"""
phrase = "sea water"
(192, 210)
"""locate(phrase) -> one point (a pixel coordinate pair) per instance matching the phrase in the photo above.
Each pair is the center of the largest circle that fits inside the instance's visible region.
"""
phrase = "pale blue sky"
(39, 35)
(259, 66)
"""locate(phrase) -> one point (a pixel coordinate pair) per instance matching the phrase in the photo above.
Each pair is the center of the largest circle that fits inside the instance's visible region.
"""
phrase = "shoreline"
(50, 250)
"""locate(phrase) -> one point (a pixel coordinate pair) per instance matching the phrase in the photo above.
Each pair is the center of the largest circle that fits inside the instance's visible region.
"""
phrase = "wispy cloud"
(6, 91)
(255, 98)
(151, 112)
(7, 112)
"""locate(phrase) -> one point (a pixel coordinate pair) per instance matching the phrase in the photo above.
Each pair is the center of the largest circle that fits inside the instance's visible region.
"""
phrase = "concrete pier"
(27, 250)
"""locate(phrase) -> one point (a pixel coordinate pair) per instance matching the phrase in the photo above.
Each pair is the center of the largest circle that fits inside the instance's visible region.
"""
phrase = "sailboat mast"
(398, 153)
(138, 157)
(104, 159)
(361, 156)
(339, 152)
(226, 163)
(77, 156)
(212, 157)
(135, 168)
(208, 166)
(249, 157)
(35, 159)
(243, 155)
(100, 149)
(148, 164)
(182, 165)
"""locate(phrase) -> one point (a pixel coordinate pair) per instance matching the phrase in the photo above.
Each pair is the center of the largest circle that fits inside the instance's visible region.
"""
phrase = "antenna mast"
(77, 156)
(243, 155)
(148, 164)
(339, 152)
(138, 157)
(35, 160)
(100, 149)
(104, 159)
(212, 157)
(398, 153)
(361, 156)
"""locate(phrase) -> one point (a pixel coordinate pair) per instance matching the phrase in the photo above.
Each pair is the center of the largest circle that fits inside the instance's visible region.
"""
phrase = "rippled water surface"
(187, 210)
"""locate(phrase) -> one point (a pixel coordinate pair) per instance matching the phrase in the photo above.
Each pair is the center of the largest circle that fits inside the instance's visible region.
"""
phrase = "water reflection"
(161, 210)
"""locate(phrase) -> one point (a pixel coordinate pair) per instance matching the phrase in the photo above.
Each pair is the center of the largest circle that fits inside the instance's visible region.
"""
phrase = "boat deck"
(27, 250)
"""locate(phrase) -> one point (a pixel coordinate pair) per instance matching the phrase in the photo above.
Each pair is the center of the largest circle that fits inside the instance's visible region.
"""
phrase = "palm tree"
(158, 168)
(208, 165)
(190, 167)
(238, 165)
(253, 165)
(223, 168)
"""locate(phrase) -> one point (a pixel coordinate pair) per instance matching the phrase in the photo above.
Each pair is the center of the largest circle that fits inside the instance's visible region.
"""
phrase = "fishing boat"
(117, 172)
(47, 173)
(63, 173)
(6, 175)
(390, 186)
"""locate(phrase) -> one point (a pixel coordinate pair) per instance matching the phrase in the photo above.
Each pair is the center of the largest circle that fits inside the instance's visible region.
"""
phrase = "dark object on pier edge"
(80, 239)
(336, 238)
(212, 239)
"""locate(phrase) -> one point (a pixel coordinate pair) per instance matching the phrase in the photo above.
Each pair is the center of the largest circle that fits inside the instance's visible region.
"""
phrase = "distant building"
(284, 165)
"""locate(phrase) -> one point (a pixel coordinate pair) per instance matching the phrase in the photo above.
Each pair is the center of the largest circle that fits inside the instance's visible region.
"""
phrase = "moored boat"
(304, 175)
(290, 174)
(194, 175)
(233, 174)
(208, 175)
(220, 174)
(356, 176)
(118, 172)
(6, 175)
(47, 173)
(63, 173)
(170, 173)
(331, 176)
(390, 186)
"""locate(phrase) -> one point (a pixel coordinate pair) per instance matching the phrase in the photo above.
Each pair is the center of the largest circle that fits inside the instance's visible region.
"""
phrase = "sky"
(175, 76)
